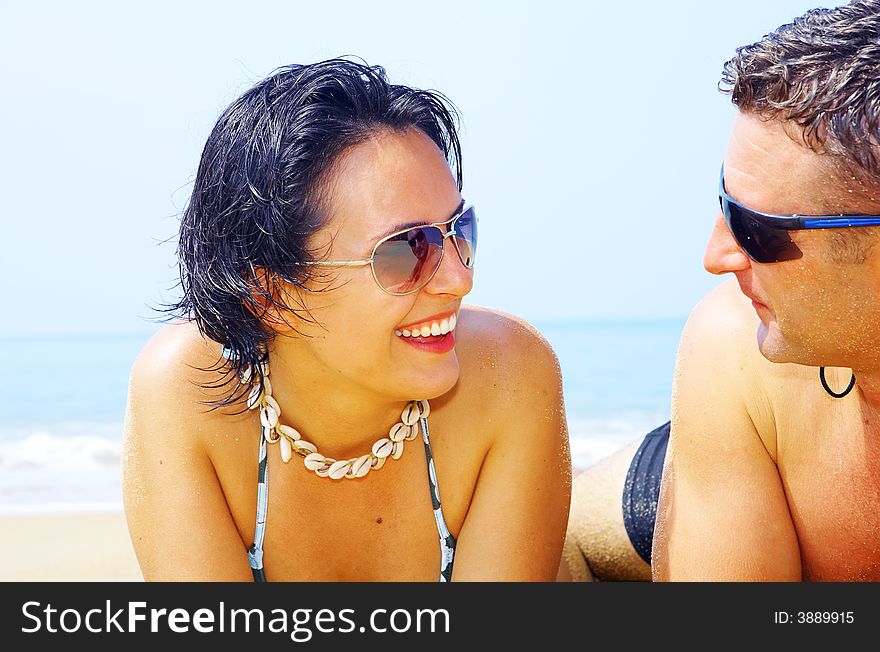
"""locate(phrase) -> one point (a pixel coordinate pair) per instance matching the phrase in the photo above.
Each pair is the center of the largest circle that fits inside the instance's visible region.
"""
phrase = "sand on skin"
(67, 547)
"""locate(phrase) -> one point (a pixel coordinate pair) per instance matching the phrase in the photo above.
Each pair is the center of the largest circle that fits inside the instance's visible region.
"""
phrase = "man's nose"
(723, 253)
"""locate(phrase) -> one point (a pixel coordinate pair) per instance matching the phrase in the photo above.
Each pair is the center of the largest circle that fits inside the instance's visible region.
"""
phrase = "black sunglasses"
(765, 239)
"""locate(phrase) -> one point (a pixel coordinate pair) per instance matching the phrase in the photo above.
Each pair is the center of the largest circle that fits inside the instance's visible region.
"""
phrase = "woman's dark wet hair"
(257, 195)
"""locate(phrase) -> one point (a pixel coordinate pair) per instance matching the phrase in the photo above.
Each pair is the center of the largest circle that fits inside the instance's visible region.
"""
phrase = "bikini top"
(447, 541)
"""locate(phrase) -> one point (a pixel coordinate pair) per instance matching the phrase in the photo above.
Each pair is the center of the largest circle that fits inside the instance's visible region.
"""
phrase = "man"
(773, 465)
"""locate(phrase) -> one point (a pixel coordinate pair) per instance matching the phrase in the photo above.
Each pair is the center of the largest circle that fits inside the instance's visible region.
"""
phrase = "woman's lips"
(432, 343)
(436, 325)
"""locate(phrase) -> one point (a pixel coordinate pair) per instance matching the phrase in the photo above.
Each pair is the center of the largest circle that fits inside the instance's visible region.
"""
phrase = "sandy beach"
(79, 546)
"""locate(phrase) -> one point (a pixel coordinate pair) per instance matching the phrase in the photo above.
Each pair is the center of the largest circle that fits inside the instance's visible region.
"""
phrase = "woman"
(280, 431)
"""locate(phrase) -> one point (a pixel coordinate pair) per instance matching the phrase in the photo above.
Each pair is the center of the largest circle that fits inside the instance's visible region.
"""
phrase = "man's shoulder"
(719, 346)
(724, 314)
(723, 331)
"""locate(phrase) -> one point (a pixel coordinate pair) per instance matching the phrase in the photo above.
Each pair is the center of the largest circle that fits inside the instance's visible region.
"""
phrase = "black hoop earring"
(852, 383)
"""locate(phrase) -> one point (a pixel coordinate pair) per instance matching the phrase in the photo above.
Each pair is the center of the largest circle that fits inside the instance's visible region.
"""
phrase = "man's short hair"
(822, 73)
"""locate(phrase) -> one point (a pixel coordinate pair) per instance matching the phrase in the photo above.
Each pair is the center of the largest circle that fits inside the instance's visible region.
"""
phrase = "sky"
(592, 137)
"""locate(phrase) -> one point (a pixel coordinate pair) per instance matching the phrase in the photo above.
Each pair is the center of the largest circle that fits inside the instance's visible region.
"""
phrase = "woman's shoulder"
(171, 379)
(501, 336)
(504, 357)
(177, 354)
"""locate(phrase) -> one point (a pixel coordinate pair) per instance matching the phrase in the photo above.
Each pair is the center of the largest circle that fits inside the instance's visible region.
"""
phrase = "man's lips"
(756, 303)
(762, 309)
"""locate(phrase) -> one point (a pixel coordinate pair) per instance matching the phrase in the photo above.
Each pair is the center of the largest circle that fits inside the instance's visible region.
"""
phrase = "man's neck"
(868, 384)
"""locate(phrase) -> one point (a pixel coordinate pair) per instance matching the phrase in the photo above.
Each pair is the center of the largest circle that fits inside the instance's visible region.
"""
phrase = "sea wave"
(43, 469)
(48, 469)
(42, 450)
(593, 439)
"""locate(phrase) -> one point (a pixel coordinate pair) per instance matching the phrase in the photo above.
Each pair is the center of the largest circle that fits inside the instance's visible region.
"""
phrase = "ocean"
(62, 400)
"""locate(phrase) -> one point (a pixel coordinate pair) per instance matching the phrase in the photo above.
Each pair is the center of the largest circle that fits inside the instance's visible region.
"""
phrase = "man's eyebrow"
(408, 225)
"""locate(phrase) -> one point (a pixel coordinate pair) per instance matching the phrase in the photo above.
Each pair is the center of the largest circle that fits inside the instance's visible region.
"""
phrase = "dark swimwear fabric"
(641, 489)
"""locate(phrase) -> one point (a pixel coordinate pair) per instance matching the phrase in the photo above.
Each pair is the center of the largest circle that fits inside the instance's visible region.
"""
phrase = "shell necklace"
(290, 441)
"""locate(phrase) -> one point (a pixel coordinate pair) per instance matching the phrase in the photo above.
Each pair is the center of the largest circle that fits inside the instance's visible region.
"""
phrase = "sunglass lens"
(762, 242)
(466, 237)
(404, 263)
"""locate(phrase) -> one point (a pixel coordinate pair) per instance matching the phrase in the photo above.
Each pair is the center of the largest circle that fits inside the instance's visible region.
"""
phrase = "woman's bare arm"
(515, 526)
(177, 515)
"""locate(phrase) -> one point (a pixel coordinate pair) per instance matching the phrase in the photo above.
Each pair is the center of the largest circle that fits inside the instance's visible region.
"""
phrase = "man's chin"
(772, 345)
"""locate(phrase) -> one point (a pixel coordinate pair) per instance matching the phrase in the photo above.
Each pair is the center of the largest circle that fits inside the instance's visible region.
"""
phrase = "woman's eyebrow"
(408, 225)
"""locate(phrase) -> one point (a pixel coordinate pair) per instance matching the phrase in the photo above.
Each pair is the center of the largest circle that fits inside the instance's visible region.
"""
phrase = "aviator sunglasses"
(765, 238)
(405, 261)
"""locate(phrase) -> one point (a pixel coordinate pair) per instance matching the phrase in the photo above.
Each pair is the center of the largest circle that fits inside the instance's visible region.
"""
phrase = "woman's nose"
(723, 253)
(452, 277)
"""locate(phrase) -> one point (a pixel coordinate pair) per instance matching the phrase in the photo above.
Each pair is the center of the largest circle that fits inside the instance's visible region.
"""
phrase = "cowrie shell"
(361, 466)
(410, 414)
(267, 433)
(314, 461)
(424, 409)
(377, 463)
(268, 416)
(398, 432)
(304, 447)
(383, 447)
(286, 450)
(338, 469)
(272, 403)
(245, 376)
(322, 473)
(412, 433)
(254, 398)
(397, 450)
(289, 432)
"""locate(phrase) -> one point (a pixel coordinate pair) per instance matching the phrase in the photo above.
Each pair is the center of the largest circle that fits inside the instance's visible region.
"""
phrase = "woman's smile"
(436, 325)
(434, 334)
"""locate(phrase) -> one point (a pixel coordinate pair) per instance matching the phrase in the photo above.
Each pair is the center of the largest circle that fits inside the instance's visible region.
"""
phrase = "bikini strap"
(447, 541)
(255, 553)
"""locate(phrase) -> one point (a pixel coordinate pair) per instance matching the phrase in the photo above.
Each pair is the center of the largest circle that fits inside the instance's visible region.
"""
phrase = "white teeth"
(435, 329)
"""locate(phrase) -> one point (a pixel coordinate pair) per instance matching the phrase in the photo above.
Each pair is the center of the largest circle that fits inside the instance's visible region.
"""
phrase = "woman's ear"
(274, 301)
